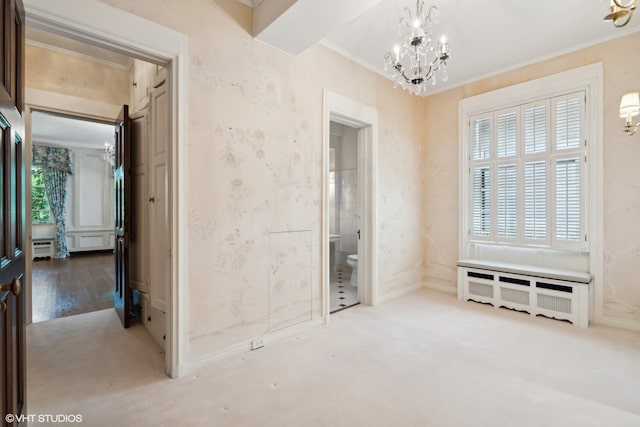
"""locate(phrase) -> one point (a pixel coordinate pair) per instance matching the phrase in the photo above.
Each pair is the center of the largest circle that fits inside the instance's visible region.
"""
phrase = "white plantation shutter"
(568, 121)
(527, 174)
(481, 138)
(535, 129)
(507, 132)
(507, 201)
(535, 200)
(481, 210)
(568, 200)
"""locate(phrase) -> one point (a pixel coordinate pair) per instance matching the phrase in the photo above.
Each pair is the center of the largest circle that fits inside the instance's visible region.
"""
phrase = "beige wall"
(621, 173)
(57, 72)
(255, 171)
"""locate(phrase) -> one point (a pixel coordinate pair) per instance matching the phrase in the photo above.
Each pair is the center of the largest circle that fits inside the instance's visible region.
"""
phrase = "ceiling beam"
(294, 25)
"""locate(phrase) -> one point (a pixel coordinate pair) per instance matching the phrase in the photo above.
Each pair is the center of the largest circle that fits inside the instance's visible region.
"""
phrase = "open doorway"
(100, 25)
(344, 217)
(71, 225)
(353, 210)
(82, 85)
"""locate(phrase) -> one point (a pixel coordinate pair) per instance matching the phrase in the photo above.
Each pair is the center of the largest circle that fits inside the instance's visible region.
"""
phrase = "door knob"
(3, 307)
(14, 286)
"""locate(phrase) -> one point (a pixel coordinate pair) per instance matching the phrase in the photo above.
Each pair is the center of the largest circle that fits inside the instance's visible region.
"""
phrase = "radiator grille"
(511, 295)
(554, 303)
(481, 289)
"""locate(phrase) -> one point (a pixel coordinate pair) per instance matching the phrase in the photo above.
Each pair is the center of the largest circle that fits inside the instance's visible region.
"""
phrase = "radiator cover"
(558, 299)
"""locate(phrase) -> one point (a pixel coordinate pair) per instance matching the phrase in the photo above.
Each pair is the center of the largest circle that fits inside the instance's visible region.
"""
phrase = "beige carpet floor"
(424, 359)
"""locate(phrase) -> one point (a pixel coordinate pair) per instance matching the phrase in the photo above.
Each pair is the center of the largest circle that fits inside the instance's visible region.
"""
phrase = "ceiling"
(486, 37)
(38, 37)
(52, 129)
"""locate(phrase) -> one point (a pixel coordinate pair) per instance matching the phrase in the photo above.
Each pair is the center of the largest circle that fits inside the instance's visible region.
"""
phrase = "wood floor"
(80, 284)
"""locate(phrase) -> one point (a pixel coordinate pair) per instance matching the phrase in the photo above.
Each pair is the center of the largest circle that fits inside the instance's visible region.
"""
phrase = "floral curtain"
(56, 165)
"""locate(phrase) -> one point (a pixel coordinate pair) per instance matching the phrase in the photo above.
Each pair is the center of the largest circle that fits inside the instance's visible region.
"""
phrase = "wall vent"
(480, 275)
(515, 281)
(481, 289)
(512, 295)
(554, 303)
(559, 288)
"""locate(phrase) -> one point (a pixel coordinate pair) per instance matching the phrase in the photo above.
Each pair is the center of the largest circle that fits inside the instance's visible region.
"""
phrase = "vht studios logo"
(43, 418)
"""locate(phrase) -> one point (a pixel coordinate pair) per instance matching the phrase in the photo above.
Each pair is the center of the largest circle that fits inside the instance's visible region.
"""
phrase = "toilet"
(352, 261)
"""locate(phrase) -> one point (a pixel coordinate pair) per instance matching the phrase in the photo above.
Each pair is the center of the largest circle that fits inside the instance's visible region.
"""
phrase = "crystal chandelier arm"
(631, 5)
(433, 9)
(406, 19)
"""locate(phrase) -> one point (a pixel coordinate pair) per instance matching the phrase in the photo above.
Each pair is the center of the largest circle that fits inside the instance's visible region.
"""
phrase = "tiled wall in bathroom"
(343, 190)
(347, 188)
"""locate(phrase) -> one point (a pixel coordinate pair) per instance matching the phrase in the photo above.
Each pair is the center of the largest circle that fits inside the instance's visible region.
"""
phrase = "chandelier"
(619, 11)
(416, 60)
(109, 154)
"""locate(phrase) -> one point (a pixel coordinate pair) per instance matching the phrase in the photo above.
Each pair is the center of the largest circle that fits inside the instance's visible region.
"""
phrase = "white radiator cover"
(558, 299)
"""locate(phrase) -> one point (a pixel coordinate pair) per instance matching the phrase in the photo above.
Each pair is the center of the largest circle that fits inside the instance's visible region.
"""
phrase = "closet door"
(159, 230)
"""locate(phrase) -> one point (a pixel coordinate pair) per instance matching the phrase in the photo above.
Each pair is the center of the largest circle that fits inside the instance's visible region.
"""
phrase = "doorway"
(73, 275)
(100, 25)
(344, 217)
(354, 164)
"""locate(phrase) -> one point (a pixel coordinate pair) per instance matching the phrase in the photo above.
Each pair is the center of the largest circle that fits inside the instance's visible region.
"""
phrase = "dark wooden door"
(122, 183)
(12, 215)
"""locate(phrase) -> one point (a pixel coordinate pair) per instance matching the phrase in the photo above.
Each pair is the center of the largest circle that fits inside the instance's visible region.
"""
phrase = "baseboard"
(76, 254)
(398, 293)
(245, 346)
(617, 323)
(442, 287)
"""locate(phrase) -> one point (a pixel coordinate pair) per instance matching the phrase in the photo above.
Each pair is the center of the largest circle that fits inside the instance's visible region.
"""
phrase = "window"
(527, 183)
(40, 211)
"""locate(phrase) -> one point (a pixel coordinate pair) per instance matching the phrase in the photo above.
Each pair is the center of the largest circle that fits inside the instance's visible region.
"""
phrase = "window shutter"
(568, 199)
(535, 200)
(535, 129)
(481, 200)
(568, 115)
(507, 201)
(507, 129)
(481, 138)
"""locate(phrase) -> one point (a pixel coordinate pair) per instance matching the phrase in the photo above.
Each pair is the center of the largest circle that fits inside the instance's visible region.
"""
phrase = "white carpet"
(425, 359)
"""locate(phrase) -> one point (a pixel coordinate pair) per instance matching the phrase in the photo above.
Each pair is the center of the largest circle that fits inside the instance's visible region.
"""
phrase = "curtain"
(55, 183)
(56, 165)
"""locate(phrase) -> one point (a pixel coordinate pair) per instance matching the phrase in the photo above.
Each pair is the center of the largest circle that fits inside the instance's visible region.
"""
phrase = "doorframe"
(56, 104)
(105, 26)
(364, 118)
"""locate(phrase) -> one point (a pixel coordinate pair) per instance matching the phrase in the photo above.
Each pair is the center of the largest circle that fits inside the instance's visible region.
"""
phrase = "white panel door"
(159, 230)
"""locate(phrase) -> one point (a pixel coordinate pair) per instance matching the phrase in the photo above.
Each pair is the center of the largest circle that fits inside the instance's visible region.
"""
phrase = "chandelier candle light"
(417, 60)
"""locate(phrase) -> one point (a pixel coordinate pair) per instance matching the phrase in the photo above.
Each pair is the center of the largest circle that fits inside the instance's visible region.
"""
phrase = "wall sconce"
(629, 107)
(619, 10)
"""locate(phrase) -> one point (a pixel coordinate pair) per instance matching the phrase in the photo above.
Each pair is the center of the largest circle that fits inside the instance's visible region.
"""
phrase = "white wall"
(255, 175)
